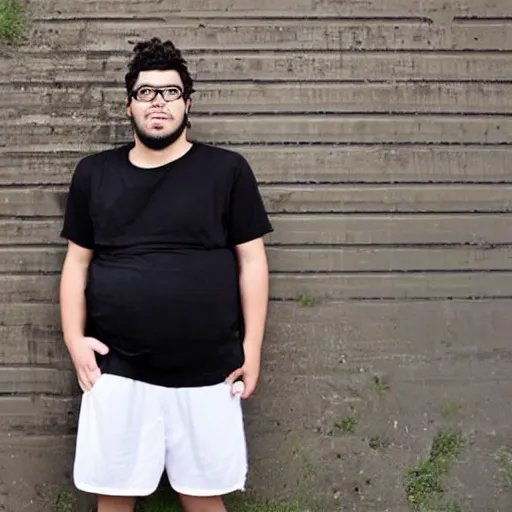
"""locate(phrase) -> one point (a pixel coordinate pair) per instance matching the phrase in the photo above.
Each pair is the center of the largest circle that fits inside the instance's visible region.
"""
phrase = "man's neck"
(142, 156)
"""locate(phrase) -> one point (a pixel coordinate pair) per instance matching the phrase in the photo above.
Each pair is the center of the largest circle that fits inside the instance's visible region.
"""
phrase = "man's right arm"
(73, 315)
(72, 288)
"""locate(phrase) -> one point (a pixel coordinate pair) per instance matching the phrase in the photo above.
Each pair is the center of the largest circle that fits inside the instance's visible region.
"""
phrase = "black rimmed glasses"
(147, 94)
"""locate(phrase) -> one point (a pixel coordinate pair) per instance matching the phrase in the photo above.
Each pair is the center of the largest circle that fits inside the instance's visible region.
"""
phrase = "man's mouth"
(158, 117)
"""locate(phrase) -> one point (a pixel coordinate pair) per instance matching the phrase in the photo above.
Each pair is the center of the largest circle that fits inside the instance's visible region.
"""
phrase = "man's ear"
(188, 104)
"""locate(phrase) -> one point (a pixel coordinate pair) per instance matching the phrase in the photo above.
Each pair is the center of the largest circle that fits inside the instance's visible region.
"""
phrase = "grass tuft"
(424, 487)
(304, 300)
(380, 386)
(12, 20)
(378, 443)
(346, 426)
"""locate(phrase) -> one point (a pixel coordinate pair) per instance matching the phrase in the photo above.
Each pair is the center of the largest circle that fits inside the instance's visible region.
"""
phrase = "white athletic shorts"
(129, 431)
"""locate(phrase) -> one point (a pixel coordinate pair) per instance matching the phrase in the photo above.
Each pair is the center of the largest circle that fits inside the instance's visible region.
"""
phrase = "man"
(163, 296)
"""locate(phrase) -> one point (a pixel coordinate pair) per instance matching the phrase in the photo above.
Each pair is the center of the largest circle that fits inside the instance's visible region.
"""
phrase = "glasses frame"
(156, 92)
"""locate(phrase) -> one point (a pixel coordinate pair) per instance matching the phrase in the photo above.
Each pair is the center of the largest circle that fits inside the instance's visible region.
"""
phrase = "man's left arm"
(253, 282)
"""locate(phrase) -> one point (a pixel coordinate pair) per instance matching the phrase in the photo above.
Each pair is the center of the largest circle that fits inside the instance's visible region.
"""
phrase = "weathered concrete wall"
(380, 133)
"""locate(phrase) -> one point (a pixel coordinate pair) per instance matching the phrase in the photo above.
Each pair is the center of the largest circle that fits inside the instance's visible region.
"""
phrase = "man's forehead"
(159, 78)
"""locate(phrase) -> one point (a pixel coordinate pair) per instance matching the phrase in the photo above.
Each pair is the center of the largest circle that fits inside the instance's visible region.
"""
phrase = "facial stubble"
(156, 142)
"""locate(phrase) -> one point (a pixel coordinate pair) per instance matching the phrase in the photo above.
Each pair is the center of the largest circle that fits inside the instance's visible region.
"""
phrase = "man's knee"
(202, 504)
(115, 504)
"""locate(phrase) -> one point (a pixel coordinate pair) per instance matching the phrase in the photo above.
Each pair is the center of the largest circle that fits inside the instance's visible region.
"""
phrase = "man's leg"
(206, 455)
(202, 504)
(115, 504)
(120, 449)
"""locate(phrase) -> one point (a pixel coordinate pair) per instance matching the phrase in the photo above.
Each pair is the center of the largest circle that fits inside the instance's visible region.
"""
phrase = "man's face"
(158, 123)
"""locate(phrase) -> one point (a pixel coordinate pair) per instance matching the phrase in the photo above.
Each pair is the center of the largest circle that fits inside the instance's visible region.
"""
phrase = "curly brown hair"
(157, 55)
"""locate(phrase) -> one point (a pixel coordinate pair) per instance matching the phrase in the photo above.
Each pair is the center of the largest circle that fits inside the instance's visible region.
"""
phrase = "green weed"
(380, 387)
(345, 426)
(12, 20)
(304, 300)
(424, 487)
(378, 443)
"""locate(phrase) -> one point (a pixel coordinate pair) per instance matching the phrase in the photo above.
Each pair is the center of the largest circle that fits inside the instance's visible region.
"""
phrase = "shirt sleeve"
(248, 219)
(77, 225)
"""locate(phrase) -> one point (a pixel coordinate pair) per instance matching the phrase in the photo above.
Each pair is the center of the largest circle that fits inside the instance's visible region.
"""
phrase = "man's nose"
(158, 99)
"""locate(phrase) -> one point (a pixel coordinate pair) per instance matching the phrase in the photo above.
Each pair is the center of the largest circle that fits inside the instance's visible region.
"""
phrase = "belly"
(165, 302)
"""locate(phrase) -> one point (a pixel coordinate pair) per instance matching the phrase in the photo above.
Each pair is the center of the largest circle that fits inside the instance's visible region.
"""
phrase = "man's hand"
(82, 353)
(249, 372)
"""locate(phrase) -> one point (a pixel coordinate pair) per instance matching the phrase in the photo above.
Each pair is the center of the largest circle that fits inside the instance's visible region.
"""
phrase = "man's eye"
(172, 91)
(145, 92)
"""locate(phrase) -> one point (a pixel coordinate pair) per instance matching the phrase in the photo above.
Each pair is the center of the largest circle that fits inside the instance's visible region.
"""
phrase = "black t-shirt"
(162, 288)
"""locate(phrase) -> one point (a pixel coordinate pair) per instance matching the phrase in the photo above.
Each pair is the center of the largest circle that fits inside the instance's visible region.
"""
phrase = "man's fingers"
(234, 375)
(91, 366)
(97, 346)
(247, 393)
(237, 388)
(94, 375)
(87, 378)
(83, 381)
(250, 386)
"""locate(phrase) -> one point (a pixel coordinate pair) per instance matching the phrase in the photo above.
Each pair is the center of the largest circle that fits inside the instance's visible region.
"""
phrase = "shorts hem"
(203, 492)
(109, 491)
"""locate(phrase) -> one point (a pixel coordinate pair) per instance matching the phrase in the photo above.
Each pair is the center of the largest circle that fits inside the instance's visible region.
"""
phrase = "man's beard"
(157, 143)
